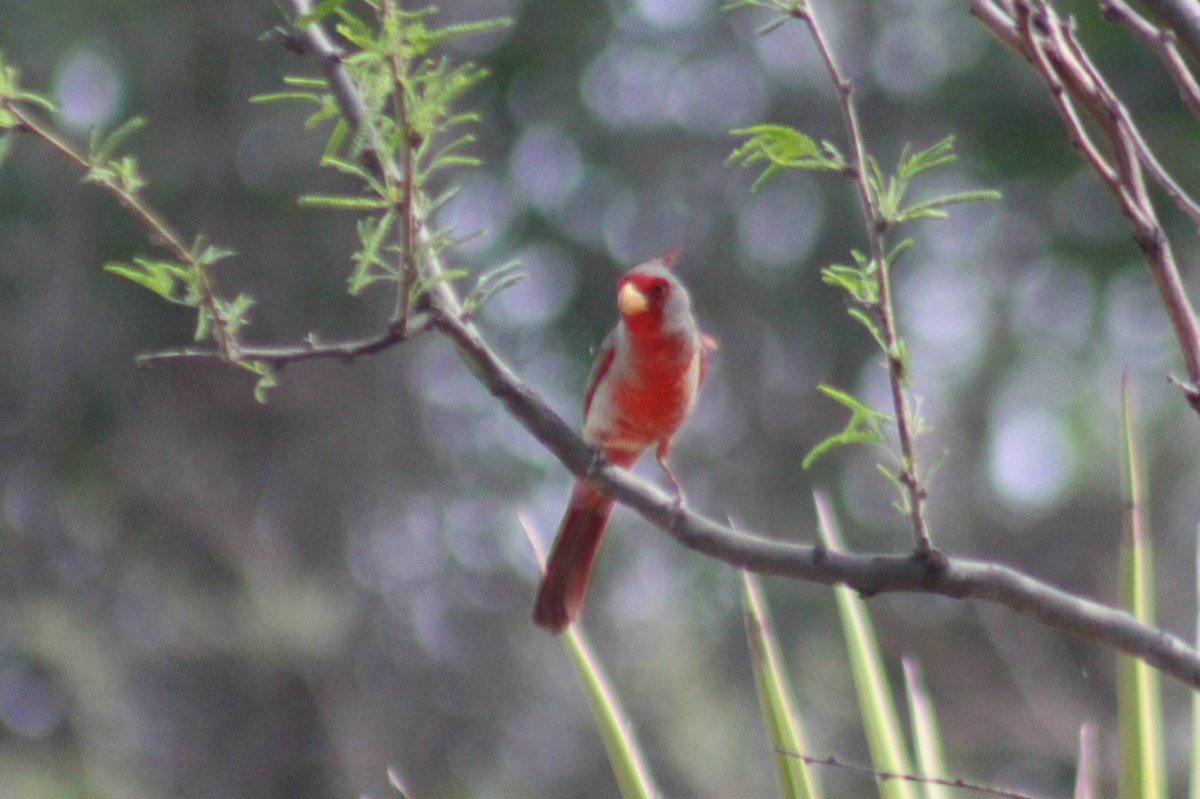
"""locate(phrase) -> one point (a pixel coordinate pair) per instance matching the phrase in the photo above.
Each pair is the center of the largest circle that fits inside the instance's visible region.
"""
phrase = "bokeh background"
(201, 596)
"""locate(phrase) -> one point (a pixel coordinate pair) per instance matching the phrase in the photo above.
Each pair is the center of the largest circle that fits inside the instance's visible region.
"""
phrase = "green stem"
(876, 227)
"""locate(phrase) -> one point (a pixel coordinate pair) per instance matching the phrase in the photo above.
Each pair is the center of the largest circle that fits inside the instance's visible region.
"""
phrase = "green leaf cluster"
(780, 147)
(409, 98)
(11, 95)
(889, 190)
(186, 283)
(865, 426)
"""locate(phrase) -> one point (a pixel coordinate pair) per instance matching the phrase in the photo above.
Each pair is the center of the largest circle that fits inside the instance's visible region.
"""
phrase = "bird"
(642, 386)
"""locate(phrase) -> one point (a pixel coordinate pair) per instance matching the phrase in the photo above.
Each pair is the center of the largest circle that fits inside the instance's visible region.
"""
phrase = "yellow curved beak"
(631, 301)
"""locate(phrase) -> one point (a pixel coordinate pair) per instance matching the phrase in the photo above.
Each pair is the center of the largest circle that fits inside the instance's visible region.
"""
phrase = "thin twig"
(308, 350)
(909, 475)
(884, 776)
(407, 206)
(160, 230)
(1183, 18)
(1164, 43)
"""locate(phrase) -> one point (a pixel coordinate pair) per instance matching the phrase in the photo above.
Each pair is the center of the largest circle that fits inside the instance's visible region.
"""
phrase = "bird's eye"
(657, 290)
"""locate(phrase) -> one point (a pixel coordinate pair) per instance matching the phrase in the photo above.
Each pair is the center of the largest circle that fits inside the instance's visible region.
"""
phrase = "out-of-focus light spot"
(472, 528)
(395, 548)
(1087, 213)
(88, 87)
(1053, 302)
(1031, 459)
(445, 384)
(631, 86)
(910, 58)
(482, 203)
(673, 14)
(946, 314)
(548, 285)
(546, 165)
(787, 52)
(716, 94)
(29, 704)
(1137, 324)
(583, 215)
(269, 151)
(777, 227)
(634, 230)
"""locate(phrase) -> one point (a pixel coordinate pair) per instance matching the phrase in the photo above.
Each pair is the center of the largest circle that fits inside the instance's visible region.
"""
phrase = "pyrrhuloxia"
(642, 386)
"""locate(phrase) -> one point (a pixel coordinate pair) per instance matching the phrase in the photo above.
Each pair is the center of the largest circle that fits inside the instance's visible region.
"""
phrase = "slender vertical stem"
(909, 474)
(406, 207)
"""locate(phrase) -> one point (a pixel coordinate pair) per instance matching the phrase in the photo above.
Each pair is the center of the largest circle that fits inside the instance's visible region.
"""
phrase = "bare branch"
(883, 776)
(1081, 95)
(1164, 43)
(308, 350)
(1183, 18)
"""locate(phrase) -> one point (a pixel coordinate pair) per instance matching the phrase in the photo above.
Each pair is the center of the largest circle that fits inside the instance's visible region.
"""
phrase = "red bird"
(641, 388)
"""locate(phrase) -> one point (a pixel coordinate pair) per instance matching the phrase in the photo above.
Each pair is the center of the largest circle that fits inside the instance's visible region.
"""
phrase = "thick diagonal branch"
(868, 574)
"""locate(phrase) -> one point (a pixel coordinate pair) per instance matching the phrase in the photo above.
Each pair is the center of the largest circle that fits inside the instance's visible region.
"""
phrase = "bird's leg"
(597, 462)
(664, 448)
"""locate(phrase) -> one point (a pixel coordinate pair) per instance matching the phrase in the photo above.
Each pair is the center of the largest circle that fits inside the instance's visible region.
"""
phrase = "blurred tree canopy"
(202, 596)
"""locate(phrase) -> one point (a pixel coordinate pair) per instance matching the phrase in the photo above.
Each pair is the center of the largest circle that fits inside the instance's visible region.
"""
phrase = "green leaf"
(101, 148)
(423, 39)
(932, 208)
(235, 313)
(1139, 694)
(337, 137)
(319, 11)
(870, 323)
(782, 147)
(275, 97)
(167, 279)
(211, 254)
(901, 248)
(344, 203)
(268, 378)
(424, 285)
(369, 264)
(490, 284)
(926, 733)
(774, 698)
(204, 320)
(860, 284)
(628, 763)
(881, 721)
(633, 776)
(864, 427)
(912, 164)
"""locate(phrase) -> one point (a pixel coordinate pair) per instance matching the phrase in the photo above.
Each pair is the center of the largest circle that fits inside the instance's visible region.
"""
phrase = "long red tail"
(561, 593)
